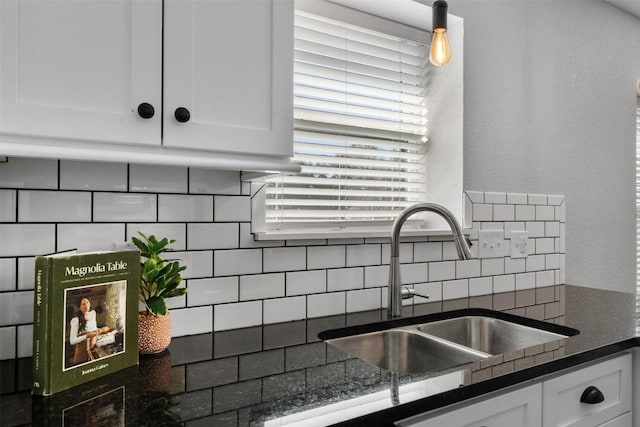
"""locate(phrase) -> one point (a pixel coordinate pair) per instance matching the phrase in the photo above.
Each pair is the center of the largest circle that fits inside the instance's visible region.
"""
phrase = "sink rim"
(445, 315)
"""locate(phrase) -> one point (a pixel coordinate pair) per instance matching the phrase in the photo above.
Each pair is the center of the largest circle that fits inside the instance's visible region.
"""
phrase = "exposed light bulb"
(440, 51)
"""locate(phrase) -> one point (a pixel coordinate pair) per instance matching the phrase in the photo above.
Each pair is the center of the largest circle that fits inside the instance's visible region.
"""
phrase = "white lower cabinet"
(597, 395)
(522, 407)
(564, 397)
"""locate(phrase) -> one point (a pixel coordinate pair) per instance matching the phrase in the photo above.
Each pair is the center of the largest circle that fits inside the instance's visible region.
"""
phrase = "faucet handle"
(410, 293)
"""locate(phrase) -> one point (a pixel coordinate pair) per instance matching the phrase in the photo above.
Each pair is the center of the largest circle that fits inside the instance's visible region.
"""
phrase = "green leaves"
(159, 278)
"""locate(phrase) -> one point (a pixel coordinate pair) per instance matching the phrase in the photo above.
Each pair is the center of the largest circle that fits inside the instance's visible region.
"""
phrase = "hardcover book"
(85, 321)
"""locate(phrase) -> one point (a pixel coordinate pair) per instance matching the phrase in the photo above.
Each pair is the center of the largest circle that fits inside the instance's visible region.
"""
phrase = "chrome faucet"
(396, 291)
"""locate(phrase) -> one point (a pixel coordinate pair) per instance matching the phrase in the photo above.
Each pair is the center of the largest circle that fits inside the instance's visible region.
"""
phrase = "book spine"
(41, 366)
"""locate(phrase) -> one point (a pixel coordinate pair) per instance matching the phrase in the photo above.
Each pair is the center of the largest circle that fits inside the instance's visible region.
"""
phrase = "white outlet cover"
(491, 244)
(519, 244)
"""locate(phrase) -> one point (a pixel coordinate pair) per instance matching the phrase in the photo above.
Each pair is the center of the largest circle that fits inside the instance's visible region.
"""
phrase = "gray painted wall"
(550, 95)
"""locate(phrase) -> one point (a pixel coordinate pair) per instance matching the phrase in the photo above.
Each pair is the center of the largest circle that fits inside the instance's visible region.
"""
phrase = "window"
(361, 124)
(638, 211)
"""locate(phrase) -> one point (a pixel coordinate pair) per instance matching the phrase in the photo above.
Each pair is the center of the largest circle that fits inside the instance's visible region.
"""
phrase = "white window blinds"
(360, 127)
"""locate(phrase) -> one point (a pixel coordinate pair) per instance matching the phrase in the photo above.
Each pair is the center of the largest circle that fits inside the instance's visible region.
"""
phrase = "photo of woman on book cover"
(94, 322)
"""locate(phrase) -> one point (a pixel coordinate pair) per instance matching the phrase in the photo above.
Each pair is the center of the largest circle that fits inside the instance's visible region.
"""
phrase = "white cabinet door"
(522, 408)
(78, 70)
(230, 64)
(562, 395)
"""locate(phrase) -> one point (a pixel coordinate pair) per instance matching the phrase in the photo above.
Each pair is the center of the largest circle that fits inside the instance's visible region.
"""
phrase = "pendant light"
(440, 52)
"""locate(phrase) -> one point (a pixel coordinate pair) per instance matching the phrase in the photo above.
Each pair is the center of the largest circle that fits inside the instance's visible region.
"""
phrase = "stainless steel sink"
(419, 345)
(489, 335)
(406, 351)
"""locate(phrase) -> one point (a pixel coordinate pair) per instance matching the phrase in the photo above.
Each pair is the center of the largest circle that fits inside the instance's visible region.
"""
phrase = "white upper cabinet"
(102, 80)
(79, 69)
(229, 64)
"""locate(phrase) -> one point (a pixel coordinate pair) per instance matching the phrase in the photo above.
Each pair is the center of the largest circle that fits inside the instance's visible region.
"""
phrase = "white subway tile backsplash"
(535, 228)
(210, 181)
(545, 278)
(482, 212)
(16, 308)
(493, 197)
(442, 270)
(233, 280)
(191, 321)
(232, 208)
(455, 289)
(492, 266)
(525, 213)
(428, 251)
(54, 206)
(516, 199)
(475, 196)
(537, 199)
(535, 262)
(514, 265)
(467, 268)
(124, 207)
(285, 309)
(261, 286)
(29, 173)
(327, 304)
(211, 291)
(199, 263)
(284, 259)
(545, 213)
(96, 176)
(27, 239)
(363, 299)
(414, 273)
(89, 237)
(506, 283)
(358, 255)
(375, 276)
(345, 278)
(171, 231)
(234, 262)
(8, 275)
(504, 213)
(158, 179)
(181, 208)
(545, 245)
(223, 235)
(25, 341)
(8, 340)
(26, 277)
(480, 286)
(8, 204)
(247, 240)
(553, 199)
(326, 257)
(237, 315)
(306, 282)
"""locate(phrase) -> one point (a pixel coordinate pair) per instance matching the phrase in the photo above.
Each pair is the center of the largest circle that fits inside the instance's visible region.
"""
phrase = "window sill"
(352, 234)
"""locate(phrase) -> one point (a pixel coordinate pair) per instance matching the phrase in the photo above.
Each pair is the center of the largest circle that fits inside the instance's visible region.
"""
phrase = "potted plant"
(159, 279)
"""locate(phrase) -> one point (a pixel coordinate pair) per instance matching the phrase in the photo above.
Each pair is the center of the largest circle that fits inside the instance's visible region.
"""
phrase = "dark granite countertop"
(278, 374)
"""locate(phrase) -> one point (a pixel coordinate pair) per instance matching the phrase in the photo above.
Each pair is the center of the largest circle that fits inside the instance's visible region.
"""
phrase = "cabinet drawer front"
(621, 421)
(518, 408)
(561, 395)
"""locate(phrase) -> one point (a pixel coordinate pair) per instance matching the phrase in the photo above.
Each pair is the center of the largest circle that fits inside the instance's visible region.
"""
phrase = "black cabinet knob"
(146, 110)
(592, 395)
(182, 115)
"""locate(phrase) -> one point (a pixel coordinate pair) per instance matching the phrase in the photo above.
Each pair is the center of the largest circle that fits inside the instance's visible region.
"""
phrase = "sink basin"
(489, 335)
(442, 341)
(406, 351)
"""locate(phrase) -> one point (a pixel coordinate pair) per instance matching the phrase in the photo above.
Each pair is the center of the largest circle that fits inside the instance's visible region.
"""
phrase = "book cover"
(85, 322)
